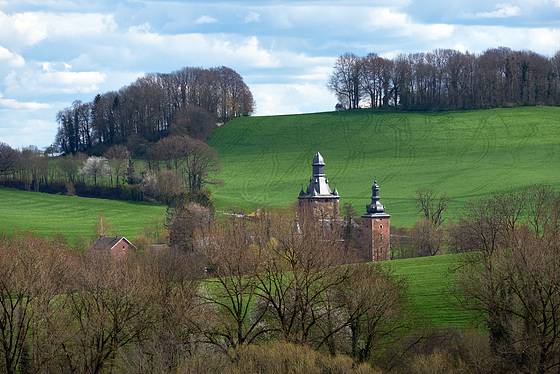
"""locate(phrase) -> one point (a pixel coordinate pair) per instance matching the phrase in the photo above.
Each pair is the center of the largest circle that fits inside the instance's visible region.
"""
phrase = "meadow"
(72, 216)
(430, 280)
(465, 154)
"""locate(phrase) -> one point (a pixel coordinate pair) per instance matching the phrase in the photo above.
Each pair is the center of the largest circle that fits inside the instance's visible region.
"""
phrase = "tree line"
(174, 166)
(446, 79)
(188, 101)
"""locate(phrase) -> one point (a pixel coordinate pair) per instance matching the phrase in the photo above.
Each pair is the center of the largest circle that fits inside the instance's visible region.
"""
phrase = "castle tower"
(376, 224)
(318, 196)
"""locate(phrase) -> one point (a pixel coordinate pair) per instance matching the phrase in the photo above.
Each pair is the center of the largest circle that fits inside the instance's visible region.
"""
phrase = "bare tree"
(201, 164)
(431, 205)
(183, 222)
(109, 307)
(8, 159)
(300, 273)
(427, 237)
(513, 284)
(344, 82)
(118, 156)
(231, 286)
(374, 304)
(34, 274)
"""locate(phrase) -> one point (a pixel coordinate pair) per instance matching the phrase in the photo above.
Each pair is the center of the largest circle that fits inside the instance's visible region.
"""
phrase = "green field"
(70, 215)
(429, 280)
(467, 154)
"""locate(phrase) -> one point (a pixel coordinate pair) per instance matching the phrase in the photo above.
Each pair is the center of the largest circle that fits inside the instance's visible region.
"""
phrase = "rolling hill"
(466, 154)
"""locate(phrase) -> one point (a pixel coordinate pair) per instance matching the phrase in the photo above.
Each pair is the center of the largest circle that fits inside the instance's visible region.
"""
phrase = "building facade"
(376, 225)
(324, 204)
(318, 197)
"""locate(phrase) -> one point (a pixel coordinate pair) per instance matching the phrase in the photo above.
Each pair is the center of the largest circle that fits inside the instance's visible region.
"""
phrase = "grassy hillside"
(429, 280)
(70, 215)
(468, 154)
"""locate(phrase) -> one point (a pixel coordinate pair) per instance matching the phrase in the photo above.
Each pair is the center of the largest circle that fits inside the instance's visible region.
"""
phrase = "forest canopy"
(446, 79)
(190, 101)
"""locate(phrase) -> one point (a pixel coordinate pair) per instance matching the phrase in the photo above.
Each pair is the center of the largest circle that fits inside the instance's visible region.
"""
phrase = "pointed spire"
(375, 207)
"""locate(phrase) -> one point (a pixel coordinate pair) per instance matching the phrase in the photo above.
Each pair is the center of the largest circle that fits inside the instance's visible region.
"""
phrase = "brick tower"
(376, 224)
(318, 197)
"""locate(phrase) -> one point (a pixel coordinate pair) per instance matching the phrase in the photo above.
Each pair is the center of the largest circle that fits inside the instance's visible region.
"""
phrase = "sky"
(53, 52)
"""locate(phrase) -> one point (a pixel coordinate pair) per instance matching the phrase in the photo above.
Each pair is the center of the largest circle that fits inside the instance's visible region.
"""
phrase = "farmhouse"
(118, 246)
(324, 204)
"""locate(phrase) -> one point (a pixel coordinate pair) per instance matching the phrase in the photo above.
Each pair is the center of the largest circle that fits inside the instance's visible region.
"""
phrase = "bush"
(279, 357)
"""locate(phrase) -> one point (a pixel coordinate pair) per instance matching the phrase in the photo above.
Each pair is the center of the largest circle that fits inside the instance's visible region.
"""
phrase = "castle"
(324, 204)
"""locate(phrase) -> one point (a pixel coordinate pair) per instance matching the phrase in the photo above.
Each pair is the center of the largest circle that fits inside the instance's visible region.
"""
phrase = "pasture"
(72, 216)
(429, 282)
(466, 154)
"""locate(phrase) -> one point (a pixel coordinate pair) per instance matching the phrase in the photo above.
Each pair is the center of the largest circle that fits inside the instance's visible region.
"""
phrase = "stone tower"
(376, 224)
(318, 196)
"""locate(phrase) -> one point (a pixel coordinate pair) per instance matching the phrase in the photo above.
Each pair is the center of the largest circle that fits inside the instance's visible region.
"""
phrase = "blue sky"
(53, 52)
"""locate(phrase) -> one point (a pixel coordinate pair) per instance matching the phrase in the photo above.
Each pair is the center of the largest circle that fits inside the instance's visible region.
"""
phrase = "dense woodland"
(446, 79)
(189, 101)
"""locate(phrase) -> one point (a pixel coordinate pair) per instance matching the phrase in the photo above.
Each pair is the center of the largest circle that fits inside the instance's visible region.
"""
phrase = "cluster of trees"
(188, 101)
(62, 310)
(447, 80)
(174, 164)
(276, 293)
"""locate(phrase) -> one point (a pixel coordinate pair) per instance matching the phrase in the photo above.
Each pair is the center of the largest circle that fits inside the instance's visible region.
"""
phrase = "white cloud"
(481, 38)
(205, 19)
(502, 10)
(401, 24)
(273, 99)
(14, 104)
(68, 82)
(29, 28)
(145, 27)
(50, 80)
(199, 49)
(252, 17)
(13, 59)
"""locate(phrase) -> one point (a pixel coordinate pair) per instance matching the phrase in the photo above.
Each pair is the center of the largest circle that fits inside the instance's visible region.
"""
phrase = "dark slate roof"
(318, 185)
(375, 209)
(108, 242)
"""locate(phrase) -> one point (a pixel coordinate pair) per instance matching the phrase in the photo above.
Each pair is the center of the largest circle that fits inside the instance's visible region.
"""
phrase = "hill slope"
(468, 154)
(71, 215)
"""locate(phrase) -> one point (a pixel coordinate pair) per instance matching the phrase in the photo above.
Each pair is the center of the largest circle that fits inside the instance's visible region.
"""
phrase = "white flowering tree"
(95, 167)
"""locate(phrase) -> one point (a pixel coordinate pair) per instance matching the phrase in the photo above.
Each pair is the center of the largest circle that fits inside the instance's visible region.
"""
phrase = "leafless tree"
(512, 281)
(8, 159)
(427, 238)
(109, 307)
(432, 205)
(201, 165)
(183, 222)
(344, 82)
(231, 287)
(374, 304)
(118, 157)
(35, 272)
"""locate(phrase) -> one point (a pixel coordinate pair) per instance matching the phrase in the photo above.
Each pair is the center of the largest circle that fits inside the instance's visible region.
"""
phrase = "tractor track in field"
(404, 152)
